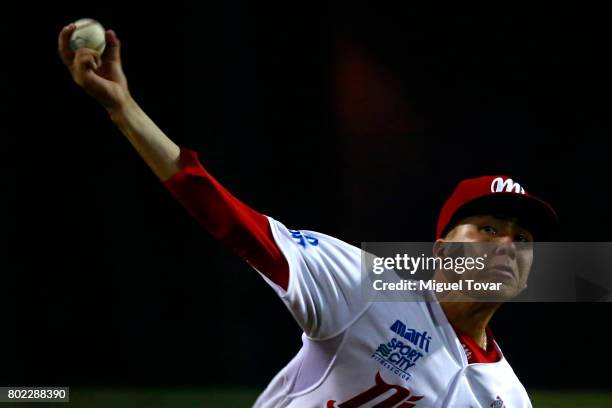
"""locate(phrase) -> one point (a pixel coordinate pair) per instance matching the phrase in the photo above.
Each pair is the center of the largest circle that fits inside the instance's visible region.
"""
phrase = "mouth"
(503, 270)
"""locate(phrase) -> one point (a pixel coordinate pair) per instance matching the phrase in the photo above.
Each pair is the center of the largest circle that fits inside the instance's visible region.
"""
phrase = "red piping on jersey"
(245, 231)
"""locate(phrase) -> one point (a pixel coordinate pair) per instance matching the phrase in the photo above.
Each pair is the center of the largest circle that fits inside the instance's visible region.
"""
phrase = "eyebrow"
(513, 220)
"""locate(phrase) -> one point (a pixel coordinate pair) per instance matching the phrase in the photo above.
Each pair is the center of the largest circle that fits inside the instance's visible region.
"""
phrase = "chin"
(507, 292)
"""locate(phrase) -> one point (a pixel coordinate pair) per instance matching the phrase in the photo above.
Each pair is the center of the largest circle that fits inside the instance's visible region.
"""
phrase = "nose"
(504, 245)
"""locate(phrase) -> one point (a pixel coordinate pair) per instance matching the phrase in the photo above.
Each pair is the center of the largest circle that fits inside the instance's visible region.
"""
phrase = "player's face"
(506, 245)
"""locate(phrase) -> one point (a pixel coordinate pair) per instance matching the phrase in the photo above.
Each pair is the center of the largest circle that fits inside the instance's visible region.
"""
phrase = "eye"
(489, 230)
(522, 238)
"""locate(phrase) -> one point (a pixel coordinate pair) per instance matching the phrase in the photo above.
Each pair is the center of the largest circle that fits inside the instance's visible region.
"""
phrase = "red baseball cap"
(497, 195)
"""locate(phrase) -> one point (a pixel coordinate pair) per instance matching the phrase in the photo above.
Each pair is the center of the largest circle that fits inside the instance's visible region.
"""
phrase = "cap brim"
(532, 213)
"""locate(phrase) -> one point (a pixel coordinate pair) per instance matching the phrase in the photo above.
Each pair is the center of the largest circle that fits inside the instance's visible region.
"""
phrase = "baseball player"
(355, 353)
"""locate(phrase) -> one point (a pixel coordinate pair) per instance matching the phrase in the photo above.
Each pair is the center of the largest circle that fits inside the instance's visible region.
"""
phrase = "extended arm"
(243, 229)
(103, 78)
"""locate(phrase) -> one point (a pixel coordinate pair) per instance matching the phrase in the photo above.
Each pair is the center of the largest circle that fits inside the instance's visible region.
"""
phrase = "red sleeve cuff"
(190, 165)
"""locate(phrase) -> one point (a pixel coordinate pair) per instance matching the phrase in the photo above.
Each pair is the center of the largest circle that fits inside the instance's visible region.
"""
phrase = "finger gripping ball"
(88, 34)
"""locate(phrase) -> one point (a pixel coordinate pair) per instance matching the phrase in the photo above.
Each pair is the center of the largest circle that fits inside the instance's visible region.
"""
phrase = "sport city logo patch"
(303, 239)
(399, 354)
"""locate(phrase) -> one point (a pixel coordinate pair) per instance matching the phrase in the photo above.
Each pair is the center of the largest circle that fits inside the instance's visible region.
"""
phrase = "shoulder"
(303, 240)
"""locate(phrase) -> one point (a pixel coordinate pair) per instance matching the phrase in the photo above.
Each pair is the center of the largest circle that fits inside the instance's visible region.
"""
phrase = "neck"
(467, 315)
(471, 318)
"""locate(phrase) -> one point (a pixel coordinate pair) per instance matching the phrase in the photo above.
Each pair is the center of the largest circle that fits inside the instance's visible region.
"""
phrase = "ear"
(439, 248)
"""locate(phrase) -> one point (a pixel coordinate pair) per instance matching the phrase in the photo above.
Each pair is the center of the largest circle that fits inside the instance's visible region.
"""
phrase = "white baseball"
(88, 34)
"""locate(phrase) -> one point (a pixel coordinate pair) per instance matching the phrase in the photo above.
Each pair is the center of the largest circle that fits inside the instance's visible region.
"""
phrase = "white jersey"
(372, 354)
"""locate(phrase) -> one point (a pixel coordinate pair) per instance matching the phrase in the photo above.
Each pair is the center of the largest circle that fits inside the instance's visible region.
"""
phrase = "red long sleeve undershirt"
(247, 232)
(242, 229)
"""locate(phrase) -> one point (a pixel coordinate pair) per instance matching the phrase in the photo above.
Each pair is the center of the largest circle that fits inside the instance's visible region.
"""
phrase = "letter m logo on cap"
(499, 185)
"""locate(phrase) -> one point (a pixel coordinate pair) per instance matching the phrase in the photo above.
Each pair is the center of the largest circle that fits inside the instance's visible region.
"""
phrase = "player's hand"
(100, 76)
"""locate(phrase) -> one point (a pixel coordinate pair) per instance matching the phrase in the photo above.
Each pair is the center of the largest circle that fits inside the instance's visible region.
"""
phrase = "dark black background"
(351, 120)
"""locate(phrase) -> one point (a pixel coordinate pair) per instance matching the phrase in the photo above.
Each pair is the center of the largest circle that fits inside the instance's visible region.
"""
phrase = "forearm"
(159, 152)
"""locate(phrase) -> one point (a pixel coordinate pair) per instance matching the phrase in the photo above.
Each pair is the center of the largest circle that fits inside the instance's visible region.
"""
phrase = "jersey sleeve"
(324, 292)
(316, 276)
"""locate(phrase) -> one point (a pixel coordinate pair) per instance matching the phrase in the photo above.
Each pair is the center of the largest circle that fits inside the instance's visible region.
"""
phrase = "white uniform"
(372, 354)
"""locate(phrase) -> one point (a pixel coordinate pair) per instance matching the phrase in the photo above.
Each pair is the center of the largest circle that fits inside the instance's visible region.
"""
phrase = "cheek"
(525, 259)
